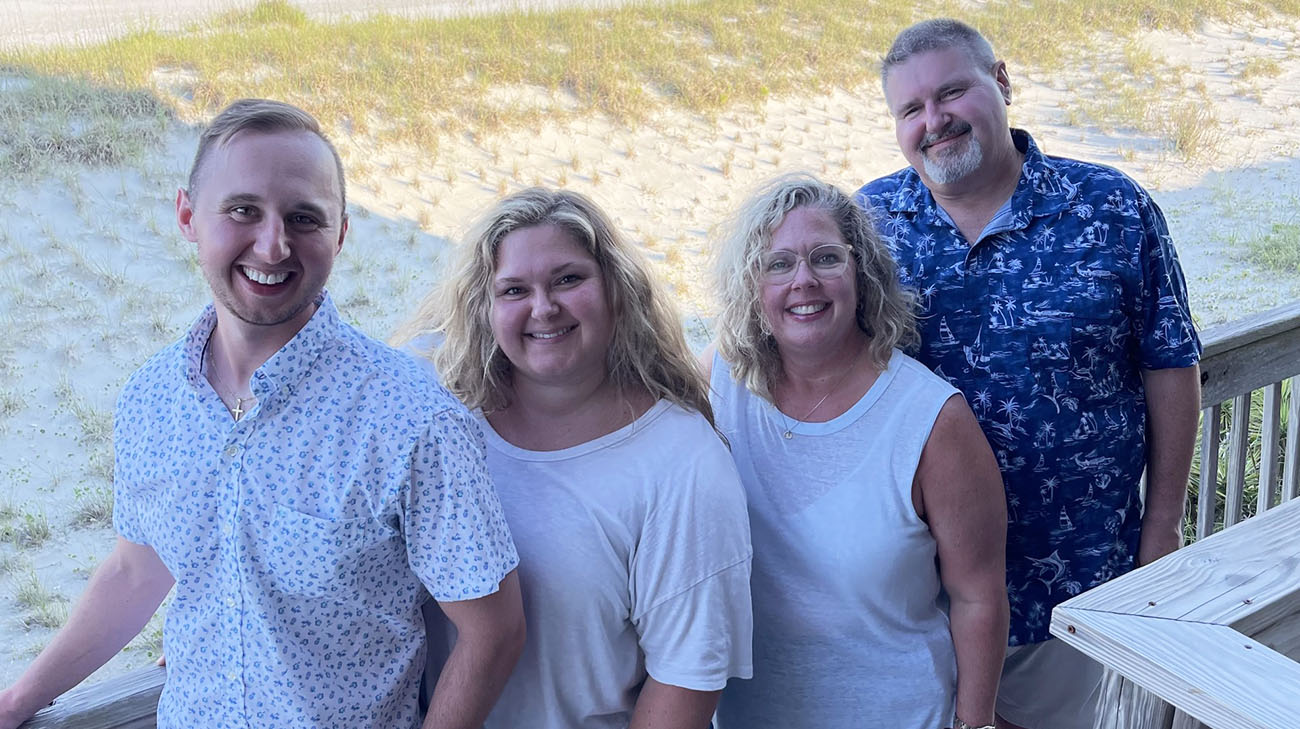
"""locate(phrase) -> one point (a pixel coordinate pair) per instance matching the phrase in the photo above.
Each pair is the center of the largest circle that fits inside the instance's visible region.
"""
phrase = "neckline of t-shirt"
(496, 442)
(848, 417)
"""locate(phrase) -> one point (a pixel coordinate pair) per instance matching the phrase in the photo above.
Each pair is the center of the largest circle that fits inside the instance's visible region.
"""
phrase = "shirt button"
(226, 530)
(232, 451)
(230, 601)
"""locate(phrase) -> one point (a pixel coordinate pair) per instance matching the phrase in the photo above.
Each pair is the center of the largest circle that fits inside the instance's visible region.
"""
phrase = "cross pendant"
(238, 410)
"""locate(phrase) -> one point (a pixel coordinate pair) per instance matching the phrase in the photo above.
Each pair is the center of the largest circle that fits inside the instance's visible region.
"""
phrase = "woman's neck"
(550, 418)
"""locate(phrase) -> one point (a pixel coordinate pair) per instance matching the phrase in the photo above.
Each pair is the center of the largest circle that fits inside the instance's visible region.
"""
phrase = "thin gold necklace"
(210, 361)
(790, 423)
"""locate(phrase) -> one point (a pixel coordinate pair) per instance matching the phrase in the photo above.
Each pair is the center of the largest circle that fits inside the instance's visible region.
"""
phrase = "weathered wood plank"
(1183, 721)
(1283, 637)
(1125, 705)
(1250, 353)
(1207, 492)
(1269, 447)
(1163, 656)
(1291, 460)
(1241, 577)
(129, 701)
(1238, 442)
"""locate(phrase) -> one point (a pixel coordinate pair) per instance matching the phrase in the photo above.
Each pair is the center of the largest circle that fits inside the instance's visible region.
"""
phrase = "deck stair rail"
(1210, 636)
(1221, 635)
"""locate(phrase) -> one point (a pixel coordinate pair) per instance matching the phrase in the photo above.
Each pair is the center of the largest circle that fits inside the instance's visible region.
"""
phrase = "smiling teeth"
(266, 279)
(807, 309)
(550, 335)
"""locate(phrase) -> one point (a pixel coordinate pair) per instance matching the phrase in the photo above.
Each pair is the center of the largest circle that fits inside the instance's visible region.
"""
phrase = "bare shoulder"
(705, 359)
(957, 465)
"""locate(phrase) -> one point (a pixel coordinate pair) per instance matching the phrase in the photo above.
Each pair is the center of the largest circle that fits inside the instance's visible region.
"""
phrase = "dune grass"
(417, 80)
(1279, 249)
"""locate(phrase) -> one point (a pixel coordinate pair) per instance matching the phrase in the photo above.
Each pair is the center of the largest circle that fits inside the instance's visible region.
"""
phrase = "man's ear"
(343, 231)
(1003, 80)
(185, 215)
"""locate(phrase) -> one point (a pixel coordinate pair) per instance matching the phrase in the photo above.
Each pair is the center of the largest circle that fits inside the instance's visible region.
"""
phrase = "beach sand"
(96, 277)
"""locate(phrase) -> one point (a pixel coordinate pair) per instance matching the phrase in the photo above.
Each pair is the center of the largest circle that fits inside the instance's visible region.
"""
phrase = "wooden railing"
(1211, 633)
(1245, 580)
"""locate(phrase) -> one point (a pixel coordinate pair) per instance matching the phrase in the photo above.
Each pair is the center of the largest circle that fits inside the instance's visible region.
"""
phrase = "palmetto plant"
(1254, 459)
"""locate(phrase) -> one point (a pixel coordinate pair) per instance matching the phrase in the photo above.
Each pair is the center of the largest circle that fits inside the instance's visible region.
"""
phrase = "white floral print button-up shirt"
(303, 537)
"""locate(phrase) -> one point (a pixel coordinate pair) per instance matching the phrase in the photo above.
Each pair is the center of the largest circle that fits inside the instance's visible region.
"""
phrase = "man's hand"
(1158, 541)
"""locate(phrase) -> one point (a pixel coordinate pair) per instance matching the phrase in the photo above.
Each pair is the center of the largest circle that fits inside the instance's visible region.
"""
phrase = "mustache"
(954, 129)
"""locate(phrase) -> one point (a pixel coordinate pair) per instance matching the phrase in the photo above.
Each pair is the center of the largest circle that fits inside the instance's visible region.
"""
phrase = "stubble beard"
(948, 166)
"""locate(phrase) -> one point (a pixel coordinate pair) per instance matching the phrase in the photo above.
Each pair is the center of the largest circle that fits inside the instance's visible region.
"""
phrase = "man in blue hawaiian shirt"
(1050, 294)
(300, 484)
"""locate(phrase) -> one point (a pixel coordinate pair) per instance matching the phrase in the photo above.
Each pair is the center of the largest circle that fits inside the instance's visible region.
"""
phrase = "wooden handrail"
(1258, 351)
(129, 701)
(1245, 355)
(1211, 627)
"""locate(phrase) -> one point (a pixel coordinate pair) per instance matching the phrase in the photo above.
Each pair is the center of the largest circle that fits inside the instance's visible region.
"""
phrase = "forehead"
(272, 165)
(806, 227)
(540, 247)
(924, 72)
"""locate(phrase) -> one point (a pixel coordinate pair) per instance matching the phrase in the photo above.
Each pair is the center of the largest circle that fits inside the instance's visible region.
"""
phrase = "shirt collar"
(285, 367)
(1042, 189)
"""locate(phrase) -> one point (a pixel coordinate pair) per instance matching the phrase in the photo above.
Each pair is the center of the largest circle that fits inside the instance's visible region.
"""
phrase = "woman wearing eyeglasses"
(876, 507)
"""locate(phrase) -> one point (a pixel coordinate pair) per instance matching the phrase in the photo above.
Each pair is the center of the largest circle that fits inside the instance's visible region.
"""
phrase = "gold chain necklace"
(790, 423)
(211, 366)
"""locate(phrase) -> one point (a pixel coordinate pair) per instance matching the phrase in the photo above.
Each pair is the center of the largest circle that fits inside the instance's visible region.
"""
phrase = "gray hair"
(938, 34)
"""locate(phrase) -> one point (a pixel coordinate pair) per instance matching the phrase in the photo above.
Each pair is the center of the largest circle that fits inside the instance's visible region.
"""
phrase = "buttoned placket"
(233, 535)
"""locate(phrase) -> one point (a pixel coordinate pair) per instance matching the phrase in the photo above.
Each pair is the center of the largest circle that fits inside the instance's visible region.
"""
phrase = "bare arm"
(119, 599)
(489, 638)
(1173, 402)
(962, 499)
(661, 706)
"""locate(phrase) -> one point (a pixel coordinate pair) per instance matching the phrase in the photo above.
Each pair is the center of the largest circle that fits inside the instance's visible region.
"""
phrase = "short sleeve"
(1166, 334)
(690, 576)
(128, 520)
(457, 540)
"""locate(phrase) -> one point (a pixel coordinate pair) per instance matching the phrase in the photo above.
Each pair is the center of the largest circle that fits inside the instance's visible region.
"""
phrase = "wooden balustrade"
(1214, 629)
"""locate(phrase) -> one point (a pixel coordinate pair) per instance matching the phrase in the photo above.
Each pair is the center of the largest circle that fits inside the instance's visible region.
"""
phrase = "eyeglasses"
(825, 261)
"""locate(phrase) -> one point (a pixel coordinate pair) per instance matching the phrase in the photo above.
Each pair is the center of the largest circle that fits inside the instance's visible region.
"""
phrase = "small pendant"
(788, 434)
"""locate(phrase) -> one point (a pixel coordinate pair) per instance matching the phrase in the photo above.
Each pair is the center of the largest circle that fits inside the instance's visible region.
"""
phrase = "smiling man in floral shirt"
(1050, 294)
(300, 484)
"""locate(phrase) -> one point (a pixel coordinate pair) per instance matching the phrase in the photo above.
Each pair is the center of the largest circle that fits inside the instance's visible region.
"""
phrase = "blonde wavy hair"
(884, 310)
(648, 349)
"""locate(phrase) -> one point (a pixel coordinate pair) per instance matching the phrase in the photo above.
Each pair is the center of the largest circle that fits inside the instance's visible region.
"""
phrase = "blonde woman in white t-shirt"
(622, 499)
(879, 523)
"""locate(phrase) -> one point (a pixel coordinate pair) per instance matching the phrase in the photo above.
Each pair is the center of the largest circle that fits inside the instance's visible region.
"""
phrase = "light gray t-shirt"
(849, 629)
(634, 561)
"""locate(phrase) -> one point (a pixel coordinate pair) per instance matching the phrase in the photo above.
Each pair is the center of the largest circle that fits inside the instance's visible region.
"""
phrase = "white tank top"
(850, 629)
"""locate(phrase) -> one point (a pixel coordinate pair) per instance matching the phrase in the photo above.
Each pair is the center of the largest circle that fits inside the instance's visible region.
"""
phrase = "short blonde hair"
(745, 341)
(648, 349)
(259, 115)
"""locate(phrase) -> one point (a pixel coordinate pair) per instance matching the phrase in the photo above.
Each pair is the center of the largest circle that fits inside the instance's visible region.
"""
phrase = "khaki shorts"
(1049, 685)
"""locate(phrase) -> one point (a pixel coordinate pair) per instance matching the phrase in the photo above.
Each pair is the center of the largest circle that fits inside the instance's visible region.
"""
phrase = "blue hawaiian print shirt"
(303, 537)
(1045, 324)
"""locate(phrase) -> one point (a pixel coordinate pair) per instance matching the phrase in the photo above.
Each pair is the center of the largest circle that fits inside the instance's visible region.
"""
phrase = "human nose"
(544, 306)
(936, 119)
(272, 244)
(803, 274)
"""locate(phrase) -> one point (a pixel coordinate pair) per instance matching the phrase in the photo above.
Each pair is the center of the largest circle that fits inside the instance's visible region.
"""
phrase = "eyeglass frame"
(781, 278)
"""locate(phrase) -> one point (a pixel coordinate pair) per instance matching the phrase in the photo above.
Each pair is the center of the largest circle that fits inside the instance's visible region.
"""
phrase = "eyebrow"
(249, 199)
(558, 269)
